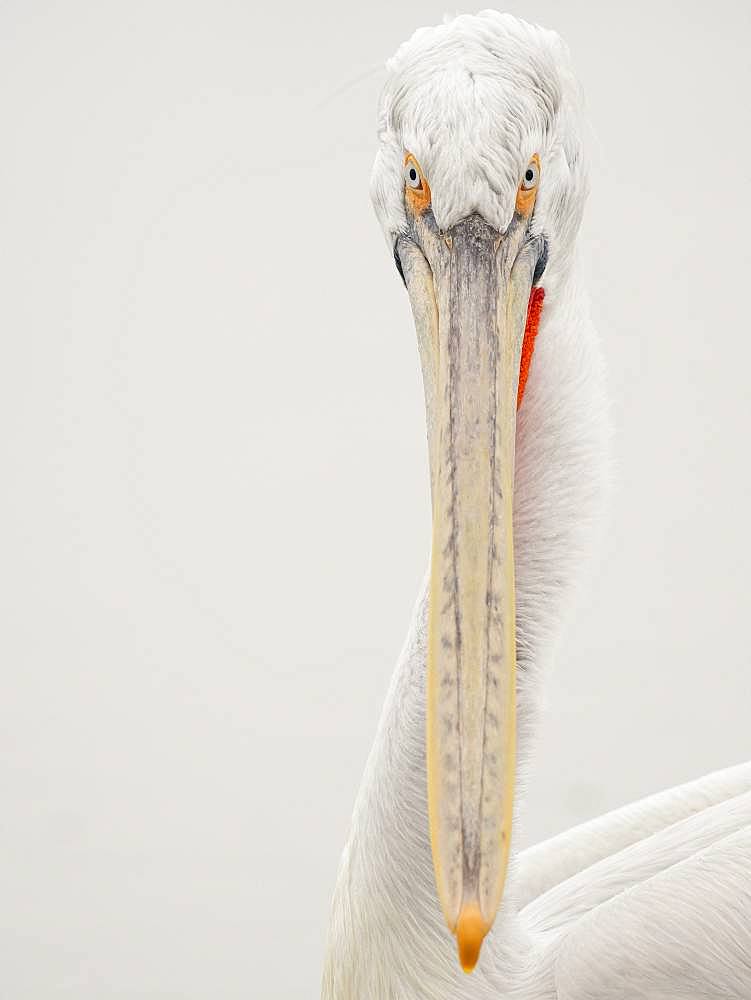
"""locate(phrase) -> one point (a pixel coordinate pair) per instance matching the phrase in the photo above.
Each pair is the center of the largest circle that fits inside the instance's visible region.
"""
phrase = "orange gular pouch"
(534, 311)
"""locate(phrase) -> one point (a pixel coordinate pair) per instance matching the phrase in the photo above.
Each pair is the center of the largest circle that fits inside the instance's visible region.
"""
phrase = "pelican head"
(478, 185)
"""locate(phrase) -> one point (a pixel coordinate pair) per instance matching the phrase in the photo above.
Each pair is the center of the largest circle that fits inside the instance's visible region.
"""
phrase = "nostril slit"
(399, 267)
(542, 261)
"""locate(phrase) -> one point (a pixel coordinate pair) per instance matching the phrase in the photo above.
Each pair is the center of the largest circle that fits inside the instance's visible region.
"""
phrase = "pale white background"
(214, 500)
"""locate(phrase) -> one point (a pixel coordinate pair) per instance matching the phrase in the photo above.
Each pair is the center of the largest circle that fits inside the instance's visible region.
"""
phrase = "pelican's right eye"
(412, 176)
(416, 187)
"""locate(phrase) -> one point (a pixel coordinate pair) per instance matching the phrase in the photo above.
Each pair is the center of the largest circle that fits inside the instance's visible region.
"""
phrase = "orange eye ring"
(527, 192)
(416, 188)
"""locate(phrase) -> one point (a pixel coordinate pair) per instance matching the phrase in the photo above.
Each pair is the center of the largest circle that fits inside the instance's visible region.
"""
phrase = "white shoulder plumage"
(555, 860)
(681, 934)
(651, 901)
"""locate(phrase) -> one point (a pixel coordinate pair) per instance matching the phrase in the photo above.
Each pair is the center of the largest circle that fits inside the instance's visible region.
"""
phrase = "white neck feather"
(387, 936)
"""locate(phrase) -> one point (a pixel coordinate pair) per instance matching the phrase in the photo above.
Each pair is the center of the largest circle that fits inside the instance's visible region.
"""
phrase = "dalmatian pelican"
(479, 185)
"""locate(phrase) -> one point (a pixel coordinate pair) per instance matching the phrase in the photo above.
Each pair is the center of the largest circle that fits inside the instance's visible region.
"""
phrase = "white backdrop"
(214, 500)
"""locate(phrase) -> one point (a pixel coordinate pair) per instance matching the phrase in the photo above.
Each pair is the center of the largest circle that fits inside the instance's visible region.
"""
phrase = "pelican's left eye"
(531, 176)
(412, 176)
(527, 192)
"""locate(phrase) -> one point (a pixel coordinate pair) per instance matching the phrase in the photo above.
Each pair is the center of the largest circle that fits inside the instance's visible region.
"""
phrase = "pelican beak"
(469, 289)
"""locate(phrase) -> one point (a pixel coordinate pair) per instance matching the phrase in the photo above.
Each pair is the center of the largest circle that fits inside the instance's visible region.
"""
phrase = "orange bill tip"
(471, 929)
